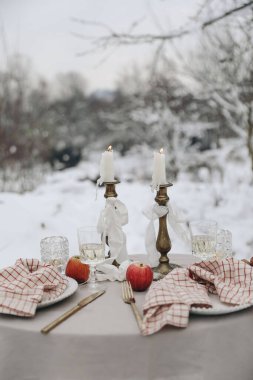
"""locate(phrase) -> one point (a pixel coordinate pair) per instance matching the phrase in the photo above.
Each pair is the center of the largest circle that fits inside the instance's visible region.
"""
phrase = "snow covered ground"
(67, 200)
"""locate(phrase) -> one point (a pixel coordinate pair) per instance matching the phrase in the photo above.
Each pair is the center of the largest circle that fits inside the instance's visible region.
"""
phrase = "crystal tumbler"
(55, 250)
(223, 244)
(203, 236)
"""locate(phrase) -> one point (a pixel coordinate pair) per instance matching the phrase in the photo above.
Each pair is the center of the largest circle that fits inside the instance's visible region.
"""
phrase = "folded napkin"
(27, 283)
(169, 300)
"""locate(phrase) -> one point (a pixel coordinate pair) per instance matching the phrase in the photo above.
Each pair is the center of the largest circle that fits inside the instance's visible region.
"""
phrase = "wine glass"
(92, 251)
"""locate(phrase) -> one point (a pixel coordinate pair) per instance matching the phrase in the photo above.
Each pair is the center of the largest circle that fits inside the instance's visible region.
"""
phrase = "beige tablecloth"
(102, 341)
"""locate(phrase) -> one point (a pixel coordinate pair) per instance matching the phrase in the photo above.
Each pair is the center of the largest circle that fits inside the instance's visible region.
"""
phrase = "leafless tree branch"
(128, 38)
(226, 14)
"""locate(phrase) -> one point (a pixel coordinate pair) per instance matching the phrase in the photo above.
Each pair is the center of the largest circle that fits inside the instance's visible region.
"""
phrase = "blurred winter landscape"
(197, 106)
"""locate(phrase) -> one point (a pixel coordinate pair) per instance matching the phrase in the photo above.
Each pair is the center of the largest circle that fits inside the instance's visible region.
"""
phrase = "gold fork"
(128, 297)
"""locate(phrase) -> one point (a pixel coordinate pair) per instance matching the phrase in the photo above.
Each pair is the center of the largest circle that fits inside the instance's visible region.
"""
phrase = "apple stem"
(141, 265)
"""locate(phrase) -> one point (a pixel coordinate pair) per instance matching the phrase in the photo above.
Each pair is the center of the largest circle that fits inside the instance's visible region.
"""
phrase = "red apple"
(139, 275)
(77, 270)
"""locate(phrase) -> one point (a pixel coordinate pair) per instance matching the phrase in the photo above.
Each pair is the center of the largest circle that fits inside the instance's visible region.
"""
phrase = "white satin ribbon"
(155, 212)
(152, 213)
(179, 225)
(110, 223)
(110, 272)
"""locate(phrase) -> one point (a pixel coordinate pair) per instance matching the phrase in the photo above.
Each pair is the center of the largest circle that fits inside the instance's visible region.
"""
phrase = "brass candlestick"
(110, 192)
(163, 243)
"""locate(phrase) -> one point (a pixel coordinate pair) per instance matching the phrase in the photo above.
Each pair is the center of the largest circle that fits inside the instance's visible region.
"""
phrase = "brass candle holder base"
(163, 243)
(110, 192)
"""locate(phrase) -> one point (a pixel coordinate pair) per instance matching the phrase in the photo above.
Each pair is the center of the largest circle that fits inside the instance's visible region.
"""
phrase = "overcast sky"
(43, 31)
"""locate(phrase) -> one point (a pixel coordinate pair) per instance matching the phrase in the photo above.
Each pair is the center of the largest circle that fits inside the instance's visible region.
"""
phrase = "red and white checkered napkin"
(27, 283)
(168, 301)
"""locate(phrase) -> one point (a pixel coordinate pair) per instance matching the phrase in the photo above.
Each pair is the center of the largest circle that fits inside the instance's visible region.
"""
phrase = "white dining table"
(102, 341)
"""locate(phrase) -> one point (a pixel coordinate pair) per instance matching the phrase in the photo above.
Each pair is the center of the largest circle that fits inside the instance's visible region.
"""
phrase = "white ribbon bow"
(179, 225)
(109, 272)
(155, 212)
(152, 213)
(110, 223)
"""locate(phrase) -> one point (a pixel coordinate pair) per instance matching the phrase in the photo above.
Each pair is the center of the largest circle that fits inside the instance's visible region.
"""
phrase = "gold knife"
(70, 312)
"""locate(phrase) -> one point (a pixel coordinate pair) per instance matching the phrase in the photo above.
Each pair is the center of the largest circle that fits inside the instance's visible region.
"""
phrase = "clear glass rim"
(224, 231)
(55, 238)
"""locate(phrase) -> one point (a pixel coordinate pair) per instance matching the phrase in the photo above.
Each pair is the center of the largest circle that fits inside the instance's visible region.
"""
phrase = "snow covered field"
(67, 200)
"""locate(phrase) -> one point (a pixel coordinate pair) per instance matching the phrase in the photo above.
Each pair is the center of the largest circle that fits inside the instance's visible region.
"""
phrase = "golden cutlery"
(128, 297)
(85, 301)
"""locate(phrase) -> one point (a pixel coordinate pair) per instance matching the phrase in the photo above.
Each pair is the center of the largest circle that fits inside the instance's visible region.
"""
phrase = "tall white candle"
(162, 167)
(159, 170)
(107, 166)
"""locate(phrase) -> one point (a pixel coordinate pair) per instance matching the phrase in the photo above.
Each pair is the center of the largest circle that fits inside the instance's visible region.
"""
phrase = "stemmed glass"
(92, 251)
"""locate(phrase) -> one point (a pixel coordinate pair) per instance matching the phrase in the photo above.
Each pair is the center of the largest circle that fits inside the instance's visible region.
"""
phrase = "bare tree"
(205, 18)
(223, 65)
(223, 69)
(20, 139)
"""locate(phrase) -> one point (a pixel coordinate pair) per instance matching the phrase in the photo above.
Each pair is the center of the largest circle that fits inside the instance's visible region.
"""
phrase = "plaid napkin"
(169, 301)
(27, 283)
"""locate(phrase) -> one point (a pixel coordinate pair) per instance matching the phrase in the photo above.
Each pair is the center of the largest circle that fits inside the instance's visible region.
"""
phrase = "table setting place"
(214, 283)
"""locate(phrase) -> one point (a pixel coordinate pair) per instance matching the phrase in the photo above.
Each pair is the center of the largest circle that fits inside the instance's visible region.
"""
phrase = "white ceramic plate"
(218, 307)
(71, 289)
